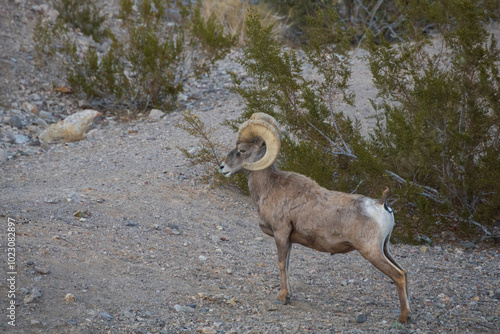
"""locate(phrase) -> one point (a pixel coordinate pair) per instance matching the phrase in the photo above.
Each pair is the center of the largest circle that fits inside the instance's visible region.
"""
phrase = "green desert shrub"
(436, 144)
(382, 17)
(439, 126)
(83, 15)
(318, 139)
(161, 44)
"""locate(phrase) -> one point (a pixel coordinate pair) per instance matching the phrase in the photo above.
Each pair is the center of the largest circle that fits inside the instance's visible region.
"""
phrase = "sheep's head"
(257, 146)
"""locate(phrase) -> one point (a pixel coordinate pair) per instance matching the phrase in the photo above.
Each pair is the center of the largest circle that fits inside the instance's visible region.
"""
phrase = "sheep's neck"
(260, 181)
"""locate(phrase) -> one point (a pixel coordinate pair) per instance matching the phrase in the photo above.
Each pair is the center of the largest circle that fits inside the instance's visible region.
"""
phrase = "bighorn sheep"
(295, 209)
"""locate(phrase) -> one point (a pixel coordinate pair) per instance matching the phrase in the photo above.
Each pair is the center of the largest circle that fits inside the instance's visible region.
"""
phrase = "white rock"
(155, 115)
(21, 139)
(180, 308)
(72, 128)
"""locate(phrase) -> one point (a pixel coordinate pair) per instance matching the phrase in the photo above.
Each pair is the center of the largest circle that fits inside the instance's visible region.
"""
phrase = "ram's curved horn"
(254, 128)
(269, 119)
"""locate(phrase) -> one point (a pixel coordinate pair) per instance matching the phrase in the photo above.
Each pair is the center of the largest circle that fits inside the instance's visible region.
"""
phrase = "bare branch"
(426, 190)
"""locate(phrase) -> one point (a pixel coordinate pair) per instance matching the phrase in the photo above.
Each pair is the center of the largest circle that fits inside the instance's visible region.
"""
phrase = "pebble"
(43, 271)
(469, 245)
(45, 115)
(180, 308)
(35, 323)
(51, 200)
(33, 296)
(15, 121)
(155, 115)
(202, 258)
(71, 322)
(361, 318)
(105, 316)
(129, 222)
(73, 197)
(21, 139)
(70, 298)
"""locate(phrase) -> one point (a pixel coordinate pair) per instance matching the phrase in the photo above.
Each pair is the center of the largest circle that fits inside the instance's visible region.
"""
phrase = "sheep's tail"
(383, 200)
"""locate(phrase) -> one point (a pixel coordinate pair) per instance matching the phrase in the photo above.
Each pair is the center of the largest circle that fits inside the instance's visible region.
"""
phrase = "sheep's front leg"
(284, 246)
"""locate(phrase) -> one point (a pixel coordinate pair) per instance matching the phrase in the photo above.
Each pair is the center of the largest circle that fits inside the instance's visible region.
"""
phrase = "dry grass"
(232, 14)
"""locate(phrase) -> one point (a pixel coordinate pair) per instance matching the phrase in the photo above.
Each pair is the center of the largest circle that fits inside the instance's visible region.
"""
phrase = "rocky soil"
(118, 233)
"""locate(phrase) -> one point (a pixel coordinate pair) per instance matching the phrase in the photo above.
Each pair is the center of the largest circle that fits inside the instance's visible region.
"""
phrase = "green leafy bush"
(437, 140)
(440, 124)
(84, 15)
(211, 153)
(318, 139)
(146, 65)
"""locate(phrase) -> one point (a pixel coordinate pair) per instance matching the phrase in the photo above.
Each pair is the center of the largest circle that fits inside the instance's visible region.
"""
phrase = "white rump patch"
(383, 218)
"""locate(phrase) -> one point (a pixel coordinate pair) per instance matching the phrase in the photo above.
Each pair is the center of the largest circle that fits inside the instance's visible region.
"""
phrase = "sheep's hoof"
(283, 299)
(403, 320)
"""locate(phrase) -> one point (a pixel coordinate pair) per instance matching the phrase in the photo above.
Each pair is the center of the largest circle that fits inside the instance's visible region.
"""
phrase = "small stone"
(424, 249)
(361, 318)
(30, 107)
(180, 308)
(78, 214)
(71, 322)
(45, 115)
(202, 258)
(51, 200)
(105, 316)
(151, 137)
(15, 121)
(84, 104)
(21, 139)
(468, 245)
(33, 296)
(41, 123)
(73, 197)
(155, 115)
(69, 298)
(43, 271)
(35, 323)
(129, 222)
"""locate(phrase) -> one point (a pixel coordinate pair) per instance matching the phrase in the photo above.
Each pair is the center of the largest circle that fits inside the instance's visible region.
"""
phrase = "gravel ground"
(154, 249)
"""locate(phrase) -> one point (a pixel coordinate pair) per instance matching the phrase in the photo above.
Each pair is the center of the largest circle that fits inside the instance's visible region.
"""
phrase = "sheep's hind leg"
(389, 256)
(284, 247)
(396, 273)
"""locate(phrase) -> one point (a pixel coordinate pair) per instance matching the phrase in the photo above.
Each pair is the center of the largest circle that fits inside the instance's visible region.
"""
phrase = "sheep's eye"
(242, 151)
(239, 152)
